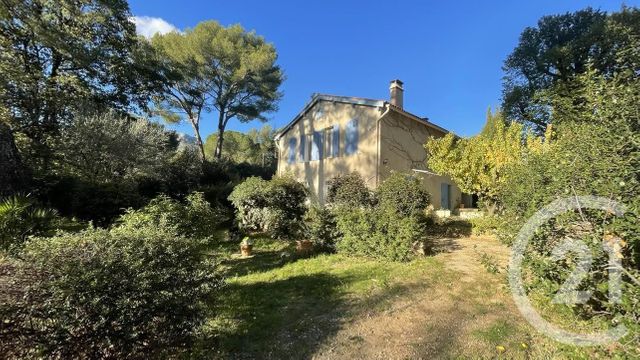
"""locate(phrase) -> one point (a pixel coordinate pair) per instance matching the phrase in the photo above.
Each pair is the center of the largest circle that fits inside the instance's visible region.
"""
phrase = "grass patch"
(275, 307)
(498, 333)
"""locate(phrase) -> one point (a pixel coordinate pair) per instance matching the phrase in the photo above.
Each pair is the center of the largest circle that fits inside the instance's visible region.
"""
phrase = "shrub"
(403, 194)
(348, 189)
(100, 203)
(274, 206)
(322, 228)
(21, 217)
(119, 147)
(106, 294)
(193, 218)
(485, 225)
(378, 233)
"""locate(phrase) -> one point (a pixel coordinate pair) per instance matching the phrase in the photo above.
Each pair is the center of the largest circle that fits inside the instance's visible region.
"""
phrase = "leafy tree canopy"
(556, 50)
(477, 164)
(58, 56)
(255, 147)
(224, 69)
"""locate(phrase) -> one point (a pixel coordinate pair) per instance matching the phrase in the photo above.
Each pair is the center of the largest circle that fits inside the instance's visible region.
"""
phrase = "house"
(335, 135)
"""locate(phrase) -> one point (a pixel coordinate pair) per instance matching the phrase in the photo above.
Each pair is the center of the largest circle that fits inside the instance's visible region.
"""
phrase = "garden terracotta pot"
(245, 250)
(304, 246)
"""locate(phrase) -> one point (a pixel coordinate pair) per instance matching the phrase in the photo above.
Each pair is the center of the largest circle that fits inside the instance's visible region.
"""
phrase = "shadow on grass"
(263, 259)
(450, 228)
(441, 236)
(292, 318)
(280, 319)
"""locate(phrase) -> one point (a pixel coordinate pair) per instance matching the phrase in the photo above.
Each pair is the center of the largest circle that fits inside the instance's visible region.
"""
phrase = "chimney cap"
(397, 82)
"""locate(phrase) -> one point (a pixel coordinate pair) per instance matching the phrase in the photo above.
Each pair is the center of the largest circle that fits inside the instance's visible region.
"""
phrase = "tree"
(264, 139)
(478, 164)
(558, 49)
(58, 56)
(119, 148)
(227, 70)
(256, 147)
(238, 147)
(13, 175)
(186, 82)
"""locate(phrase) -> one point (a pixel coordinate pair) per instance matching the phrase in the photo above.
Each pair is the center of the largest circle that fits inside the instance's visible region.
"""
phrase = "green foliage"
(255, 148)
(108, 147)
(559, 48)
(274, 206)
(62, 56)
(126, 162)
(485, 225)
(108, 294)
(227, 69)
(593, 150)
(478, 164)
(21, 217)
(193, 218)
(378, 233)
(348, 189)
(403, 194)
(322, 228)
(100, 203)
(386, 230)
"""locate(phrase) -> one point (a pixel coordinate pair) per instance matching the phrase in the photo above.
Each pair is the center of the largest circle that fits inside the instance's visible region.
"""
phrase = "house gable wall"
(322, 115)
(402, 141)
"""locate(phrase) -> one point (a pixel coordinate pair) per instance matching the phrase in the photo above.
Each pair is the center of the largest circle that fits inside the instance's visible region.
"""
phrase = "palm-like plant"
(21, 216)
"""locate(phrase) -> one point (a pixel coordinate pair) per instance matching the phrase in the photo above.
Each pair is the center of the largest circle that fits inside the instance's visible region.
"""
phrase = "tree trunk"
(196, 131)
(13, 176)
(221, 125)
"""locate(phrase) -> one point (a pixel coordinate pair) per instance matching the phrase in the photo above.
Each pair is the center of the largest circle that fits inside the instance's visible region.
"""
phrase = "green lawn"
(328, 306)
(275, 305)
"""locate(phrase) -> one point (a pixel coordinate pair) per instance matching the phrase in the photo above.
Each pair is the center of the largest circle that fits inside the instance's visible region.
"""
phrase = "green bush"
(403, 193)
(348, 189)
(378, 233)
(384, 225)
(593, 150)
(322, 228)
(273, 206)
(106, 294)
(21, 217)
(193, 218)
(485, 225)
(100, 203)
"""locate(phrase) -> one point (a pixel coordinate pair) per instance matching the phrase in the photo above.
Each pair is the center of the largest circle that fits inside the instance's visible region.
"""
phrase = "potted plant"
(246, 246)
(304, 247)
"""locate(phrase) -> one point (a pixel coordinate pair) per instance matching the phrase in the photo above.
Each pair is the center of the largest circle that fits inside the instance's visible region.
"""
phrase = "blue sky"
(448, 53)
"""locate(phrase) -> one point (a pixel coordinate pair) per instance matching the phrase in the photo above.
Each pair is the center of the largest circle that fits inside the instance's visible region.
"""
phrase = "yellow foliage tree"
(477, 164)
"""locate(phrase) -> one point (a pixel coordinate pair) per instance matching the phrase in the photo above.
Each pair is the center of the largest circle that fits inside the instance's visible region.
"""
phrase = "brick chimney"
(396, 91)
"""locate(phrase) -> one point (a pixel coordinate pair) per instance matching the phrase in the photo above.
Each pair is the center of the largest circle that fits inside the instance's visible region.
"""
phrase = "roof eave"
(333, 98)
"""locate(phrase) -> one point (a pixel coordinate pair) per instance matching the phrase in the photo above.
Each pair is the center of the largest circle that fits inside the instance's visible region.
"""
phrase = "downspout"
(278, 150)
(378, 135)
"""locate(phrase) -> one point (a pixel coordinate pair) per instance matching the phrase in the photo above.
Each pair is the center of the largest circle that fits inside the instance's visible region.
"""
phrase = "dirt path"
(471, 316)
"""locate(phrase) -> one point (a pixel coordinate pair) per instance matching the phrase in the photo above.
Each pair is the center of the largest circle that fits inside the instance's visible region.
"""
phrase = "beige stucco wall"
(402, 142)
(395, 143)
(316, 173)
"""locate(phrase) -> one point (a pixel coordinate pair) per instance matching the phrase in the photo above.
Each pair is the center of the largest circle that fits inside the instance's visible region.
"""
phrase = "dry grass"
(332, 307)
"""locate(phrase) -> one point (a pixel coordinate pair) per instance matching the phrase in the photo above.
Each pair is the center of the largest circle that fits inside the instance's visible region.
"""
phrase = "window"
(351, 137)
(317, 146)
(292, 150)
(332, 141)
(303, 149)
(308, 144)
(335, 137)
(328, 142)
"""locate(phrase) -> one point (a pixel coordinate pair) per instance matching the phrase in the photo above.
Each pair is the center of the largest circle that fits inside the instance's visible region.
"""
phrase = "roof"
(355, 101)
